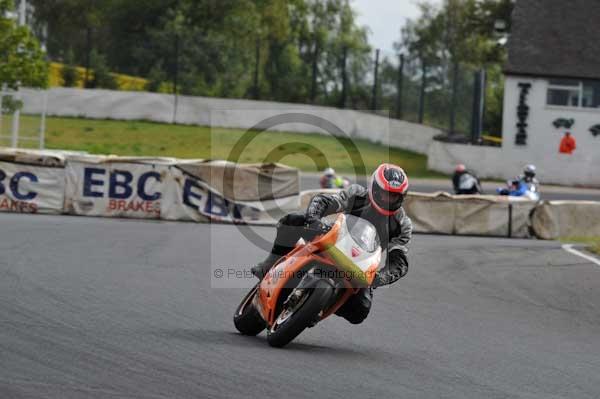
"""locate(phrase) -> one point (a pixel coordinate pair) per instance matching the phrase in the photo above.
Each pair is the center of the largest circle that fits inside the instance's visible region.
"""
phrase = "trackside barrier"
(31, 182)
(228, 113)
(56, 182)
(555, 219)
(171, 189)
(442, 213)
(147, 188)
(483, 215)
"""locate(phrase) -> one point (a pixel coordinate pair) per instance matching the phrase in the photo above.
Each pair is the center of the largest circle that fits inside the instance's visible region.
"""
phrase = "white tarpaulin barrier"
(555, 219)
(188, 196)
(164, 188)
(125, 187)
(196, 190)
(220, 112)
(31, 181)
(27, 188)
(442, 213)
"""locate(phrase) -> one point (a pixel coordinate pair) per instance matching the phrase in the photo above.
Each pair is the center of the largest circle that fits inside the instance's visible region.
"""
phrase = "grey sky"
(385, 18)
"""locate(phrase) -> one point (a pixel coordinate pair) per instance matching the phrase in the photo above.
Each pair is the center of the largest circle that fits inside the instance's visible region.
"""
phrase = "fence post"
(256, 90)
(375, 82)
(175, 76)
(422, 95)
(2, 90)
(478, 106)
(315, 71)
(453, 97)
(400, 83)
(88, 49)
(342, 103)
(14, 138)
(43, 121)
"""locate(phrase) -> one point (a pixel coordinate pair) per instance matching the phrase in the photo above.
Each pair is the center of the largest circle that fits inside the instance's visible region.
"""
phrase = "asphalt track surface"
(310, 181)
(108, 308)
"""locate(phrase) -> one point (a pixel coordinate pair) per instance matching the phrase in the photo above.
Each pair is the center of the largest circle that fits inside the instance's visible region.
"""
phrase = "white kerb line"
(569, 248)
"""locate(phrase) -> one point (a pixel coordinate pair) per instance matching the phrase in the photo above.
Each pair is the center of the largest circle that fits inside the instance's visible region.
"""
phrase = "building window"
(574, 93)
(591, 94)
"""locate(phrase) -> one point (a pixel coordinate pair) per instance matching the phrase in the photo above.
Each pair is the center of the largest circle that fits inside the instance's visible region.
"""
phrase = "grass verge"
(592, 243)
(181, 141)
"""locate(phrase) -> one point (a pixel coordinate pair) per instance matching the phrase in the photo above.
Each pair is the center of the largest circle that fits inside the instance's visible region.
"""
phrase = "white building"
(552, 86)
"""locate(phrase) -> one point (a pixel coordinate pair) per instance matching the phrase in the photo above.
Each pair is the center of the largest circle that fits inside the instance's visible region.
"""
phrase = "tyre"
(247, 320)
(289, 325)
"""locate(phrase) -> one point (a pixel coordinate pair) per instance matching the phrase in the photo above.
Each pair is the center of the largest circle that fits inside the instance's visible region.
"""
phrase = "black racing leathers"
(394, 231)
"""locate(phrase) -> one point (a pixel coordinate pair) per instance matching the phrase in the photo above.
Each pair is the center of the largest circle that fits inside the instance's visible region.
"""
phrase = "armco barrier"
(555, 219)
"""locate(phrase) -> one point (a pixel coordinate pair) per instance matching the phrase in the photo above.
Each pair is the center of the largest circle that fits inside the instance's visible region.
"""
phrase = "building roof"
(555, 38)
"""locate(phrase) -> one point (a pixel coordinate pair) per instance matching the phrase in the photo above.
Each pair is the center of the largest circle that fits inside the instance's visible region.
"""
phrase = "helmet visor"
(386, 199)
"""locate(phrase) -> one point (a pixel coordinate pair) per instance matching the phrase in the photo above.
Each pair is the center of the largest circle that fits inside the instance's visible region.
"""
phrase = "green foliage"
(10, 104)
(23, 61)
(156, 77)
(209, 47)
(458, 36)
(102, 79)
(69, 73)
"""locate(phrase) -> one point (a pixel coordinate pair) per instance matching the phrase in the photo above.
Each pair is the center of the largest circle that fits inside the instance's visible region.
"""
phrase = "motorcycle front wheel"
(293, 320)
(246, 319)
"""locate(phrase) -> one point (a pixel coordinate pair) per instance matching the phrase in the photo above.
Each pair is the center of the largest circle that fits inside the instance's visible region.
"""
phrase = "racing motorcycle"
(468, 185)
(519, 188)
(313, 281)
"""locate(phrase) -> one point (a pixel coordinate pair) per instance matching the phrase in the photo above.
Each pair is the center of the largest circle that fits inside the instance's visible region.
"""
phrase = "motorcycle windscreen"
(357, 251)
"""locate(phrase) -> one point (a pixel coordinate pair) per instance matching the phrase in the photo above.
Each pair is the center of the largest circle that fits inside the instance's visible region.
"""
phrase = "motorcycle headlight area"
(363, 233)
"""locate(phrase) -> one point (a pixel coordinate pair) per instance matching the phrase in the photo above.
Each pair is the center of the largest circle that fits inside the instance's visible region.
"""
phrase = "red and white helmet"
(388, 186)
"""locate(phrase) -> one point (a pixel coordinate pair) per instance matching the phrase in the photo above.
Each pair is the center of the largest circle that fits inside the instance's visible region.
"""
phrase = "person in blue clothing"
(517, 188)
(525, 185)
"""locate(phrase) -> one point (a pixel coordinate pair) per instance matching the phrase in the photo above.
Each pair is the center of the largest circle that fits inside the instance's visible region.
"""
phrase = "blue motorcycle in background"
(520, 188)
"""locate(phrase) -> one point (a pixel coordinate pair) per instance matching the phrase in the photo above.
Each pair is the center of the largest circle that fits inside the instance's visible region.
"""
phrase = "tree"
(69, 72)
(210, 47)
(156, 78)
(102, 78)
(23, 61)
(453, 40)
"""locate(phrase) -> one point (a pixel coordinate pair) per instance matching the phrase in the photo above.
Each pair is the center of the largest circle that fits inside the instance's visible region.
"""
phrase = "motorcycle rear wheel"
(246, 318)
(285, 329)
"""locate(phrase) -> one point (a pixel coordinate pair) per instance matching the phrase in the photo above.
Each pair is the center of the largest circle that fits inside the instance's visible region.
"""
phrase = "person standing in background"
(567, 144)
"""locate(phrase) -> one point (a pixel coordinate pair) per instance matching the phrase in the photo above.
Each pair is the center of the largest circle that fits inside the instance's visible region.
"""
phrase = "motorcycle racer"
(380, 204)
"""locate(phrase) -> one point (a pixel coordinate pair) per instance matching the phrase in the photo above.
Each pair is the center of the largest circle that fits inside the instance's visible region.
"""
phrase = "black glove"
(377, 281)
(384, 279)
(396, 268)
(315, 210)
(317, 226)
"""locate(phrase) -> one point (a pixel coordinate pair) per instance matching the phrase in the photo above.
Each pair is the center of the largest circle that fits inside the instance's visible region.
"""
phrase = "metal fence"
(18, 130)
(448, 97)
(443, 97)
